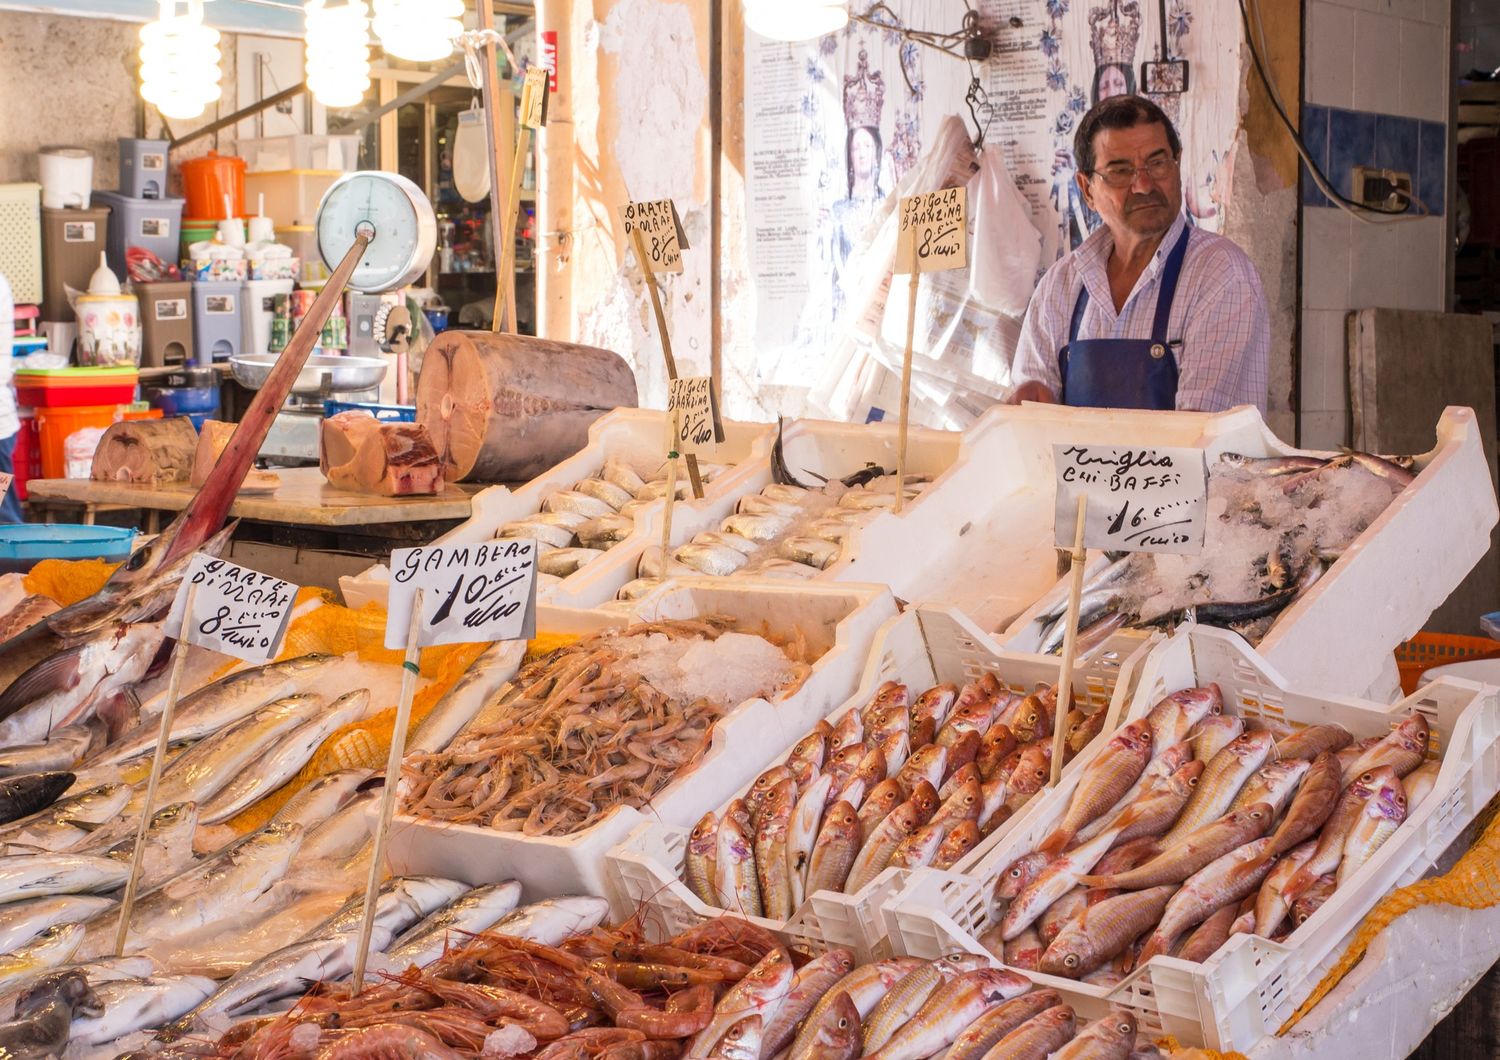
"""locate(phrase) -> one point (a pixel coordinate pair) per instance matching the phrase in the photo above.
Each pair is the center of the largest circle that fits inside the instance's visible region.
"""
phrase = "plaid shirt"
(1219, 330)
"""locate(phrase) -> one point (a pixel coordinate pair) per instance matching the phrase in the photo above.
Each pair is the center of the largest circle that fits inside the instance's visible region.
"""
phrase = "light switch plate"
(1382, 189)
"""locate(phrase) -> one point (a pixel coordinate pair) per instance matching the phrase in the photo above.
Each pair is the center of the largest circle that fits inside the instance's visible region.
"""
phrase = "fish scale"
(1228, 879)
(1037, 1038)
(1103, 931)
(983, 1034)
(864, 986)
(950, 1008)
(811, 982)
(1221, 781)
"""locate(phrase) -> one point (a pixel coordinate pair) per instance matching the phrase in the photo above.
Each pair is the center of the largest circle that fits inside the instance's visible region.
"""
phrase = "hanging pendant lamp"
(179, 61)
(418, 30)
(795, 20)
(337, 52)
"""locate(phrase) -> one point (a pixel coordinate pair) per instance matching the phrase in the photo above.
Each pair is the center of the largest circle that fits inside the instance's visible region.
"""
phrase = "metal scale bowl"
(392, 211)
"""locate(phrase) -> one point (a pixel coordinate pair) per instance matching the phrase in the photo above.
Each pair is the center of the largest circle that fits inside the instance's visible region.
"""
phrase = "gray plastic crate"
(216, 321)
(154, 224)
(143, 168)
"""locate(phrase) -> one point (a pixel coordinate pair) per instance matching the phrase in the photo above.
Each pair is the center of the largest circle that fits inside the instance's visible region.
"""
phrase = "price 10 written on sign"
(471, 594)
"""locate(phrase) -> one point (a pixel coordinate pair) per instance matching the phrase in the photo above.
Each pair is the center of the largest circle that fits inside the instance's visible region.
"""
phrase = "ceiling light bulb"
(179, 61)
(795, 20)
(422, 31)
(338, 52)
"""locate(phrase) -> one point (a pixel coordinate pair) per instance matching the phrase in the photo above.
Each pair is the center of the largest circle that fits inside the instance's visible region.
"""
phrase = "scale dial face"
(399, 219)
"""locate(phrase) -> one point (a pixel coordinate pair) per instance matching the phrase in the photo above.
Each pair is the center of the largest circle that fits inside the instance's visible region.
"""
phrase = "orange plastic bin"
(205, 182)
(1426, 650)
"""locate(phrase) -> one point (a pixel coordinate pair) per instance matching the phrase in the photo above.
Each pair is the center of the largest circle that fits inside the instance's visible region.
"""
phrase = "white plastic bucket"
(67, 176)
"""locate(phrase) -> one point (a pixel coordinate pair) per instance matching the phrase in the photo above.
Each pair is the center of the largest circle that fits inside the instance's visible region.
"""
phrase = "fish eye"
(843, 1022)
(1015, 873)
(1256, 815)
(1070, 961)
(1124, 1028)
(1192, 782)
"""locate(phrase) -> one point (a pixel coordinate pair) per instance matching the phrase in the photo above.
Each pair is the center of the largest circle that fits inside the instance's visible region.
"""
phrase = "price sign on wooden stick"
(661, 232)
(475, 593)
(1120, 498)
(236, 610)
(696, 426)
(533, 115)
(934, 235)
(636, 215)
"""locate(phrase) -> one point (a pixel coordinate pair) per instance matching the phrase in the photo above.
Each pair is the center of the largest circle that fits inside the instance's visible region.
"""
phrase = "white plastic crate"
(1251, 985)
(1339, 636)
(291, 195)
(838, 622)
(635, 436)
(920, 648)
(268, 154)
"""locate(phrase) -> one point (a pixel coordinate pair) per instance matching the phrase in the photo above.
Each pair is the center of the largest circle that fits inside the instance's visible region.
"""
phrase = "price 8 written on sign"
(1140, 499)
(699, 428)
(471, 594)
(236, 610)
(937, 224)
(661, 232)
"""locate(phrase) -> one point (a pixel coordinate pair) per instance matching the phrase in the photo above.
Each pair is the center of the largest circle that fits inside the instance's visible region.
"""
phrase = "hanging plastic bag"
(471, 155)
(1006, 248)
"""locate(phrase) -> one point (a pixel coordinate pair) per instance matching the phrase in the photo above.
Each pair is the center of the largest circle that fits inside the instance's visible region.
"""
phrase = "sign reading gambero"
(938, 224)
(471, 594)
(661, 232)
(698, 426)
(236, 610)
(1139, 499)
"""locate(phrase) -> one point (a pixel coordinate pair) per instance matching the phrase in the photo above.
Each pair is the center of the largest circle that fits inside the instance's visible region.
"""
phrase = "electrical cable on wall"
(1255, 38)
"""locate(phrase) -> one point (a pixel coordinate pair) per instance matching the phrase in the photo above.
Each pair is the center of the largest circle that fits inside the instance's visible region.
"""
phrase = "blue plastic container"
(390, 413)
(24, 545)
(438, 318)
(185, 401)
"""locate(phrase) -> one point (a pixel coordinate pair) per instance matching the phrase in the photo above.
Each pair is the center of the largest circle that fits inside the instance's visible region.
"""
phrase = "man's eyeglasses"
(1120, 175)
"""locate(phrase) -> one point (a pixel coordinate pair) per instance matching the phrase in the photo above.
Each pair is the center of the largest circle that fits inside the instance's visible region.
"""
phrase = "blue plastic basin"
(23, 545)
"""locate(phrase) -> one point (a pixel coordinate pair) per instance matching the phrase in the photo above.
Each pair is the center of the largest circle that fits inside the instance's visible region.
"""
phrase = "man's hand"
(1032, 391)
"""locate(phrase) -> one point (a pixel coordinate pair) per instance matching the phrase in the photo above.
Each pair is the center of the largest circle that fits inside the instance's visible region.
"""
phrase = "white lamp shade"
(418, 30)
(795, 20)
(337, 52)
(179, 61)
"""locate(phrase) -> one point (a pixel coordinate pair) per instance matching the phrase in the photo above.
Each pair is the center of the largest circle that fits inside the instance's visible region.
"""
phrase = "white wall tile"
(1329, 74)
(1438, 12)
(1377, 56)
(1325, 258)
(1311, 355)
(1424, 71)
(1377, 271)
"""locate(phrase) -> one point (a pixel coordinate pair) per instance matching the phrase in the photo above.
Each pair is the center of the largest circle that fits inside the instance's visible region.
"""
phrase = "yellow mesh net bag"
(68, 580)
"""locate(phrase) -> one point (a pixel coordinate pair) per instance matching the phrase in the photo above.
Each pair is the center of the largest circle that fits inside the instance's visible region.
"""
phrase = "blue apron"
(1124, 373)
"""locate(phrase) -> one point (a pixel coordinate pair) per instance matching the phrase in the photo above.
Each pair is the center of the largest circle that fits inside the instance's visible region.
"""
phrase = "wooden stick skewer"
(1070, 646)
(163, 737)
(666, 343)
(505, 279)
(671, 499)
(409, 671)
(911, 332)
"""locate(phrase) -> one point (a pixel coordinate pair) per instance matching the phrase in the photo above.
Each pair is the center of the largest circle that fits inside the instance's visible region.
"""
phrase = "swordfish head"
(139, 589)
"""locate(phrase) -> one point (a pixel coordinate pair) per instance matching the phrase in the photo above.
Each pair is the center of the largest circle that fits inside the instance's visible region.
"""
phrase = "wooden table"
(305, 510)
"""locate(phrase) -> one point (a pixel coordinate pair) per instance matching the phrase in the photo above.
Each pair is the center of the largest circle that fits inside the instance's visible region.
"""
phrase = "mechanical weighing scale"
(396, 218)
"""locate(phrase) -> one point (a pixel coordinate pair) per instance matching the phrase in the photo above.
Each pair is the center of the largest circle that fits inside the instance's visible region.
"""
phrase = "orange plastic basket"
(1427, 650)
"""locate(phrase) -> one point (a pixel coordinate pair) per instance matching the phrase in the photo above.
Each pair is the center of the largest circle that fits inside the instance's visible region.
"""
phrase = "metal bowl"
(321, 375)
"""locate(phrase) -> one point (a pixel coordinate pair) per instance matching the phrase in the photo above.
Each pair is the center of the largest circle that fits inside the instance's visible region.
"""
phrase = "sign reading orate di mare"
(1140, 499)
(471, 594)
(698, 425)
(937, 223)
(661, 232)
(236, 610)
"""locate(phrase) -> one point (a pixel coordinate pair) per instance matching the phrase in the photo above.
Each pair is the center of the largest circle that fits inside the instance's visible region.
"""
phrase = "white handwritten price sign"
(935, 227)
(1139, 499)
(699, 428)
(236, 610)
(470, 593)
(661, 232)
(5, 480)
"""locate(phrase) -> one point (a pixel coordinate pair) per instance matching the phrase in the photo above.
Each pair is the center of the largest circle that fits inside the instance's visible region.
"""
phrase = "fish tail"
(1097, 881)
(1157, 945)
(1055, 843)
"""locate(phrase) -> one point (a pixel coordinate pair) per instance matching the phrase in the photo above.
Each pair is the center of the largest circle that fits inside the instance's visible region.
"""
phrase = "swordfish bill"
(144, 585)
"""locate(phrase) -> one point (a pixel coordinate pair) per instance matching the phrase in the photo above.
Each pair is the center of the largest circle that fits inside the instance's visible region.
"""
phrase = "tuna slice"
(212, 440)
(366, 455)
(504, 408)
(146, 452)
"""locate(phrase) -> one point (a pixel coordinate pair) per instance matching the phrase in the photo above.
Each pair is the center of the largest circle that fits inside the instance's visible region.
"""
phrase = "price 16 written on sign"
(698, 425)
(661, 232)
(936, 225)
(1140, 499)
(470, 593)
(236, 610)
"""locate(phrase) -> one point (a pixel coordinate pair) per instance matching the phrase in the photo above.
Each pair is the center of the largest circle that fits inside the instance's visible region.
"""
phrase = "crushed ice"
(509, 1040)
(726, 671)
